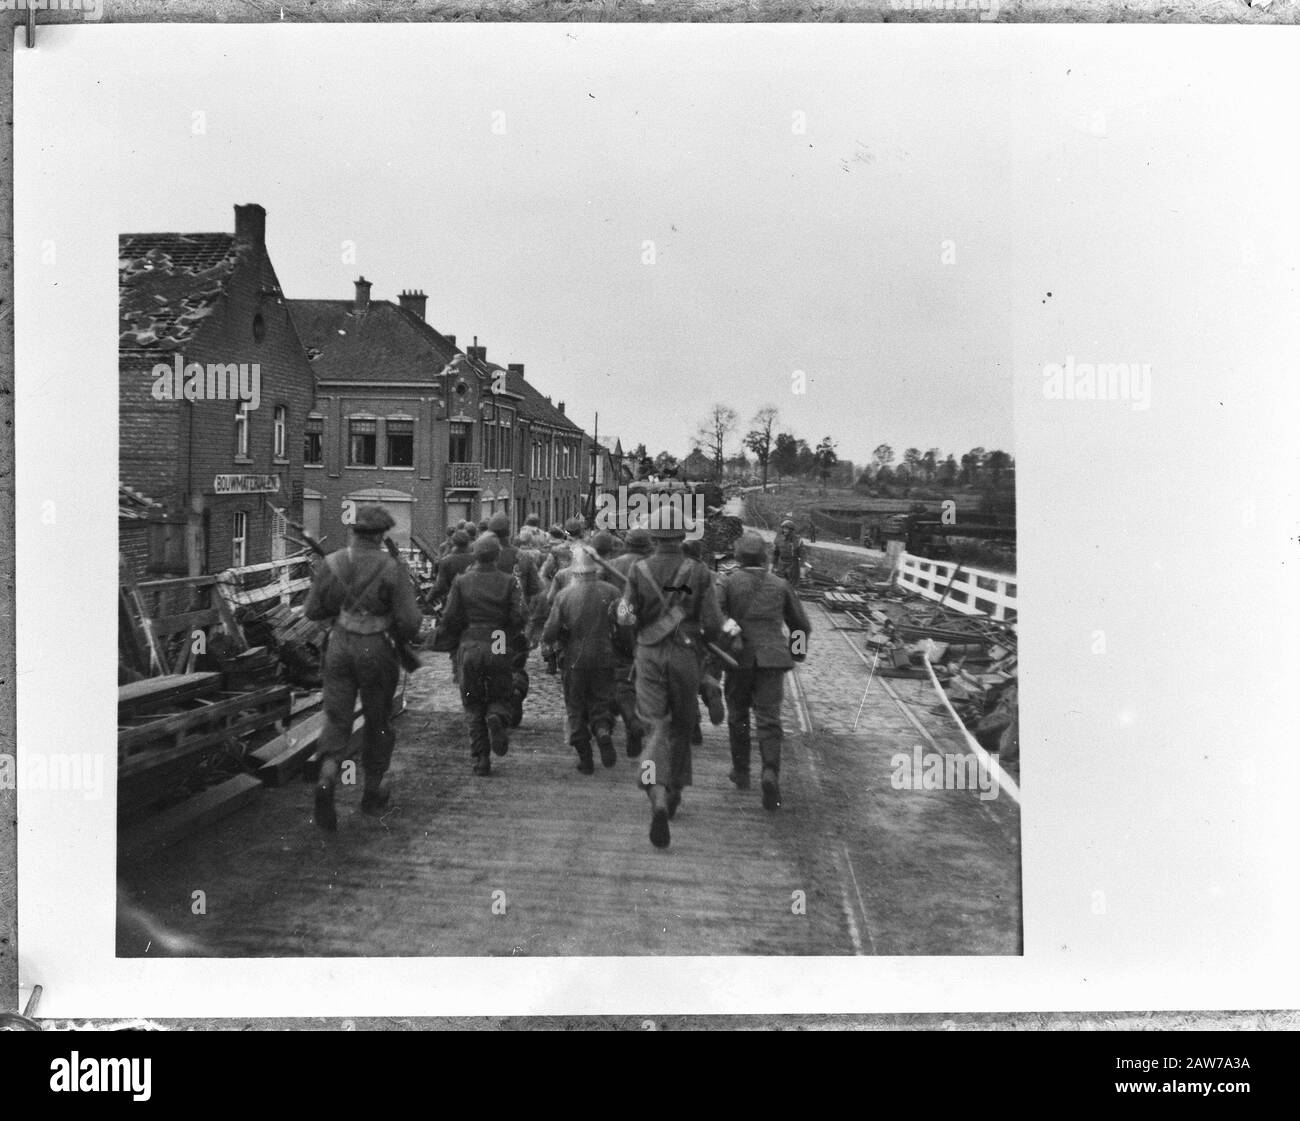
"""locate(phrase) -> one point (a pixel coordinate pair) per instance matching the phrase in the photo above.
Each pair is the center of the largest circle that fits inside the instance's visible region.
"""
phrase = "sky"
(797, 190)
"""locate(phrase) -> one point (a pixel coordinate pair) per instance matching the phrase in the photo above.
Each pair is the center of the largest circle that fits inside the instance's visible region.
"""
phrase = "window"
(507, 446)
(458, 443)
(361, 442)
(239, 540)
(313, 442)
(401, 443)
(489, 445)
(281, 431)
(241, 430)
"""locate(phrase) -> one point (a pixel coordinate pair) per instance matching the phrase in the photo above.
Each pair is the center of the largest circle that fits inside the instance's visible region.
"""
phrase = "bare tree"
(713, 433)
(759, 438)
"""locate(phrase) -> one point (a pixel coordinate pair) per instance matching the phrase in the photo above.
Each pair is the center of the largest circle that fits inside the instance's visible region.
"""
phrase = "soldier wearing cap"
(671, 603)
(787, 554)
(638, 544)
(484, 609)
(760, 608)
(520, 564)
(579, 627)
(368, 597)
(452, 565)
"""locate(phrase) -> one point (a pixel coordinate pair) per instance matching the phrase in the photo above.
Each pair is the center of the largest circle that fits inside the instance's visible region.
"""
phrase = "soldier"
(579, 626)
(484, 609)
(671, 602)
(452, 565)
(638, 544)
(520, 564)
(759, 602)
(787, 554)
(368, 596)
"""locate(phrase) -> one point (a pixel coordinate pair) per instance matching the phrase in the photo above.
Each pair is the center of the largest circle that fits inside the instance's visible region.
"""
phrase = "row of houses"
(242, 410)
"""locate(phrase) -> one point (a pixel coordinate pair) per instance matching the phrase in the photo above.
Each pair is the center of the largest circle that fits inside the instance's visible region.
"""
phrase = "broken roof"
(168, 284)
(382, 343)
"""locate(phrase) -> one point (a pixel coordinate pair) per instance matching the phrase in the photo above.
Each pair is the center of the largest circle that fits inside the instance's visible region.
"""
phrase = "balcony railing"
(465, 476)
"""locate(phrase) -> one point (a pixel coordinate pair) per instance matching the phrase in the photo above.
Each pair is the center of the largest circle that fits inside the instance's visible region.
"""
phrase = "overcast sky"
(799, 185)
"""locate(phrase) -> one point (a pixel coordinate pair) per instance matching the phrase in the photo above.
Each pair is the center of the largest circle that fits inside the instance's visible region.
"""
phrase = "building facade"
(214, 392)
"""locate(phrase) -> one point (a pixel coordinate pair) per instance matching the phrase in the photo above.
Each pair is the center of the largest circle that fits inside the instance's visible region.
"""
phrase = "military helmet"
(638, 540)
(500, 525)
(667, 523)
(574, 527)
(373, 519)
(487, 548)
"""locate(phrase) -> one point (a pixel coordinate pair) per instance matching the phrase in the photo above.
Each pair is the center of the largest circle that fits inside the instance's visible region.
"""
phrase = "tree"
(912, 458)
(970, 465)
(664, 463)
(759, 438)
(805, 464)
(825, 459)
(785, 454)
(948, 472)
(996, 463)
(712, 434)
(930, 464)
(883, 455)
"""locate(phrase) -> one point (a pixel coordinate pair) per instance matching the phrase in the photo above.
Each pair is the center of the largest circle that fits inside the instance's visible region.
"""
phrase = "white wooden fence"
(970, 591)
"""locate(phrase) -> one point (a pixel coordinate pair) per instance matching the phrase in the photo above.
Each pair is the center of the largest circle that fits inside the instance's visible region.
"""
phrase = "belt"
(355, 623)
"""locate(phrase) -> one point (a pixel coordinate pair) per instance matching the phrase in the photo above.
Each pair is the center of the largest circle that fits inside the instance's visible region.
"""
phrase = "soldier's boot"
(516, 709)
(740, 752)
(711, 691)
(497, 736)
(635, 743)
(674, 801)
(586, 766)
(771, 790)
(326, 815)
(605, 741)
(376, 794)
(482, 764)
(660, 836)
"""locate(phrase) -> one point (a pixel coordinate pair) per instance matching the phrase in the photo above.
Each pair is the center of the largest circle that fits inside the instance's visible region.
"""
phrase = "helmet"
(666, 523)
(487, 548)
(574, 527)
(638, 540)
(500, 525)
(603, 543)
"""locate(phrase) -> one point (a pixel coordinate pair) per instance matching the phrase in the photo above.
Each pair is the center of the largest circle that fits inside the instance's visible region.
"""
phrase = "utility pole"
(595, 453)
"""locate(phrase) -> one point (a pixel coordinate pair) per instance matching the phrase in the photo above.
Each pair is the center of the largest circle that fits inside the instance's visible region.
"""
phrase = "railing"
(969, 591)
(465, 476)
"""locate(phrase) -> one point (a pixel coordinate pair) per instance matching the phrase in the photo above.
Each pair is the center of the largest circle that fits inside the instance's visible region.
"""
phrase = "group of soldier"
(638, 627)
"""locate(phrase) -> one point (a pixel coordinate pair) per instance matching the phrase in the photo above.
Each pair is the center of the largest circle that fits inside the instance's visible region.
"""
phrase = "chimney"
(560, 406)
(413, 302)
(363, 294)
(250, 225)
(516, 368)
(479, 353)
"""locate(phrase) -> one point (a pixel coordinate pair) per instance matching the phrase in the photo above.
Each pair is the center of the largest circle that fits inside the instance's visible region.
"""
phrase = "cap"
(787, 524)
(638, 540)
(373, 519)
(574, 527)
(533, 519)
(603, 543)
(749, 547)
(487, 548)
(460, 539)
(500, 525)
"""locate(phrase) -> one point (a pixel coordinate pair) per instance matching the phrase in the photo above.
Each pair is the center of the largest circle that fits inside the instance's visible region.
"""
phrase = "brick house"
(214, 391)
(436, 433)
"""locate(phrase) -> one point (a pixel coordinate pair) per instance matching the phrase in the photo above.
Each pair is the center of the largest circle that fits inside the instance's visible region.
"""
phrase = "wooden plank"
(270, 591)
(143, 762)
(190, 816)
(295, 747)
(176, 582)
(140, 697)
(260, 698)
(127, 581)
(190, 620)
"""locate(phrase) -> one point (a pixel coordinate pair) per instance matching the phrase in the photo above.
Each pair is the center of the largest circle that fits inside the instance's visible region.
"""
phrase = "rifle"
(408, 658)
(716, 650)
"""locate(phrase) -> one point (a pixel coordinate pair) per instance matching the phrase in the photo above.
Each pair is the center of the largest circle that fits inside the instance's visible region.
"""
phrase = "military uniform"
(639, 546)
(787, 555)
(521, 565)
(671, 601)
(763, 605)
(579, 625)
(368, 596)
(485, 608)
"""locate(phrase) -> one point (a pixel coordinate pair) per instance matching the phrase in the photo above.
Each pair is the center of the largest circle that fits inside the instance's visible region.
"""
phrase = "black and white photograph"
(575, 490)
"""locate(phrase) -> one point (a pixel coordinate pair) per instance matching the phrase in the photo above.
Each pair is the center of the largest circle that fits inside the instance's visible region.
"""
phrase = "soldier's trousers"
(625, 698)
(588, 704)
(667, 704)
(762, 691)
(486, 685)
(364, 664)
